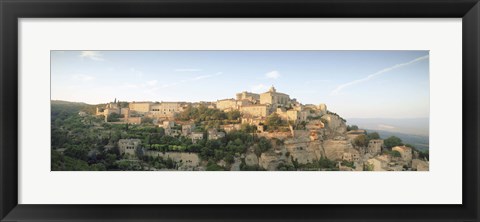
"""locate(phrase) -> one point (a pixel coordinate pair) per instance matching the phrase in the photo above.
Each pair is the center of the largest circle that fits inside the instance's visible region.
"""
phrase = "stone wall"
(185, 160)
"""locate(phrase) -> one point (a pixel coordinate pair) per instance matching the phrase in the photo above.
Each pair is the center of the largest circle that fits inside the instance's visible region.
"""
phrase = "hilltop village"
(267, 131)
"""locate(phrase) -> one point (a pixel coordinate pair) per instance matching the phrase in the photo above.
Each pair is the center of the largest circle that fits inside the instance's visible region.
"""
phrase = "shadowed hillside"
(71, 107)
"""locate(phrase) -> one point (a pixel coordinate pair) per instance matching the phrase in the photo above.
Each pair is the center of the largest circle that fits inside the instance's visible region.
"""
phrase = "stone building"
(255, 110)
(187, 129)
(108, 109)
(112, 108)
(140, 107)
(375, 146)
(353, 134)
(231, 127)
(274, 98)
(196, 136)
(165, 109)
(214, 134)
(134, 120)
(128, 146)
(351, 155)
(227, 104)
(156, 110)
(167, 124)
(248, 96)
(292, 115)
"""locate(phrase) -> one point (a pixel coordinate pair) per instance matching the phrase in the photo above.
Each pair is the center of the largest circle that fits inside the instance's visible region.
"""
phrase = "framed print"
(225, 110)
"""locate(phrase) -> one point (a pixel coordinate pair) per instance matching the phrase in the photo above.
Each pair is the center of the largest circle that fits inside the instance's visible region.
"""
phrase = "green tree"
(77, 152)
(368, 167)
(361, 141)
(411, 146)
(233, 115)
(248, 128)
(325, 163)
(396, 154)
(392, 142)
(147, 141)
(262, 146)
(424, 155)
(273, 122)
(147, 120)
(113, 117)
(373, 136)
(229, 158)
(211, 166)
(348, 164)
(352, 127)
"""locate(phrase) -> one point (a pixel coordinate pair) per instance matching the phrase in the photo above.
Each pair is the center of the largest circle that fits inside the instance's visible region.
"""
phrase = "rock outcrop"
(271, 160)
(335, 125)
(251, 159)
(334, 149)
(303, 150)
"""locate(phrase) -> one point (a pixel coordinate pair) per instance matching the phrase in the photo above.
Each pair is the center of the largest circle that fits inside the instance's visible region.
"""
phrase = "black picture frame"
(12, 10)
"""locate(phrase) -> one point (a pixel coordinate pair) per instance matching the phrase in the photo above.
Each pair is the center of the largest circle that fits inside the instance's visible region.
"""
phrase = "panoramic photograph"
(245, 110)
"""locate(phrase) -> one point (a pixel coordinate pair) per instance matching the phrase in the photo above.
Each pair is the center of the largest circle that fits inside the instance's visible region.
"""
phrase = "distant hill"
(414, 131)
(418, 141)
(413, 126)
(58, 106)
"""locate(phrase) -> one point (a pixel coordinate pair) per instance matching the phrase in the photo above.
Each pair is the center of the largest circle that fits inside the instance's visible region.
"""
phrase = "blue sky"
(354, 84)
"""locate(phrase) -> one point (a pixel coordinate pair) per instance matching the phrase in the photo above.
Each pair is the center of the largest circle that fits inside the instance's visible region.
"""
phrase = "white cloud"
(272, 75)
(151, 90)
(144, 85)
(83, 78)
(137, 73)
(93, 55)
(154, 85)
(204, 77)
(316, 81)
(166, 85)
(187, 70)
(371, 76)
(382, 126)
(129, 85)
(259, 88)
(152, 82)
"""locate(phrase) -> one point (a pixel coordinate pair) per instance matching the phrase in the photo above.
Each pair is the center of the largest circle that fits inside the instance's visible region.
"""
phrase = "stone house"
(351, 155)
(292, 114)
(128, 146)
(231, 127)
(213, 134)
(375, 146)
(187, 129)
(196, 136)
